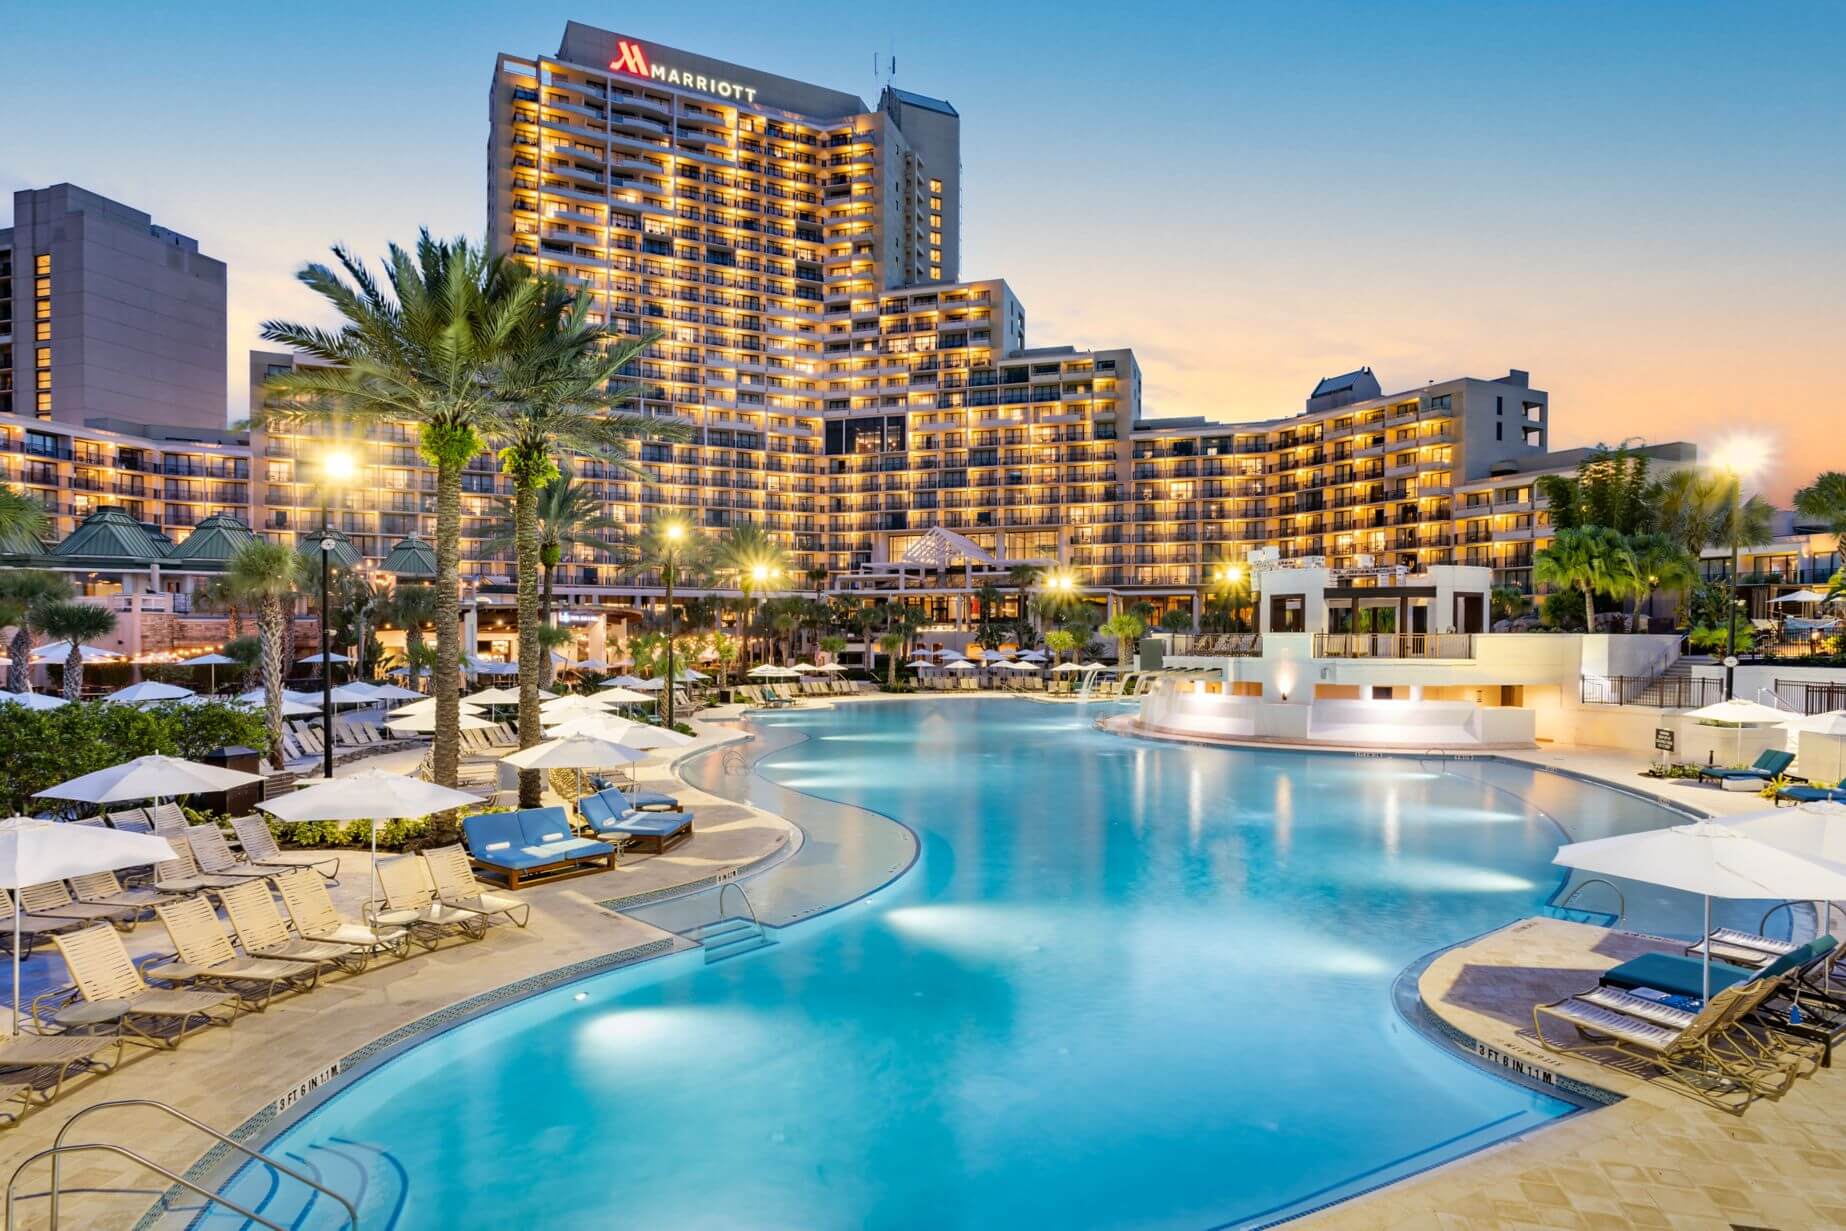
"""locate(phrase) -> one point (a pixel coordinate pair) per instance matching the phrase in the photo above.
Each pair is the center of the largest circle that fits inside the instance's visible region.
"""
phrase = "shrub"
(41, 748)
(314, 835)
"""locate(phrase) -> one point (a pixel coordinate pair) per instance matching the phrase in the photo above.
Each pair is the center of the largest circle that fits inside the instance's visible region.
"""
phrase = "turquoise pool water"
(1127, 984)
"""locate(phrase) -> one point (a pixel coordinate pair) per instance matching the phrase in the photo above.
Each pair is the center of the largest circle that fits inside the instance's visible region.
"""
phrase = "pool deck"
(1657, 1158)
(225, 1077)
(1654, 1159)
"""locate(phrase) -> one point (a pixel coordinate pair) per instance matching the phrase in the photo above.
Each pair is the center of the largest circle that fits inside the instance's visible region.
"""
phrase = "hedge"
(41, 748)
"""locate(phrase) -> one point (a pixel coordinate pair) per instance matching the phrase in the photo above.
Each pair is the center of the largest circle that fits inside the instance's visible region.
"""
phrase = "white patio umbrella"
(945, 652)
(642, 736)
(152, 777)
(1740, 713)
(576, 752)
(503, 696)
(625, 696)
(692, 675)
(290, 708)
(428, 706)
(834, 667)
(1068, 667)
(1801, 596)
(354, 693)
(624, 681)
(1019, 666)
(575, 703)
(960, 664)
(920, 664)
(1037, 656)
(33, 700)
(59, 651)
(592, 664)
(33, 852)
(1712, 860)
(423, 724)
(769, 671)
(256, 696)
(214, 661)
(803, 668)
(332, 658)
(649, 685)
(370, 795)
(394, 692)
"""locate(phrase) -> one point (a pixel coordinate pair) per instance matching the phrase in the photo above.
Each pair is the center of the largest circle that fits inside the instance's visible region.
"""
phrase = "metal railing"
(1394, 645)
(1809, 697)
(59, 1148)
(1224, 645)
(1666, 692)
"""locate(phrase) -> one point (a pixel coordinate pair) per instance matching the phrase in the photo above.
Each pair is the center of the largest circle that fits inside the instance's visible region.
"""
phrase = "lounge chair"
(1684, 1047)
(1678, 975)
(28, 1062)
(536, 842)
(29, 926)
(215, 857)
(259, 843)
(263, 933)
(410, 902)
(452, 877)
(638, 797)
(1769, 764)
(112, 990)
(1810, 795)
(310, 908)
(608, 815)
(206, 956)
(104, 889)
(54, 901)
(180, 875)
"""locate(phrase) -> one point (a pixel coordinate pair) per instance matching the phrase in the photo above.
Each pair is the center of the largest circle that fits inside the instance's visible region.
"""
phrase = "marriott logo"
(631, 58)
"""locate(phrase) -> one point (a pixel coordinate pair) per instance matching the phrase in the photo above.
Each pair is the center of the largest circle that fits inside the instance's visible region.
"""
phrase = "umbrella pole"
(16, 914)
(1707, 966)
(371, 893)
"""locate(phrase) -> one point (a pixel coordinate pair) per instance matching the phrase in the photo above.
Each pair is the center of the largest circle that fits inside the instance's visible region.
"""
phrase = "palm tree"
(1824, 501)
(22, 521)
(421, 353)
(1060, 642)
(218, 595)
(1660, 564)
(413, 605)
(1022, 577)
(77, 622)
(832, 644)
(1508, 602)
(359, 601)
(753, 558)
(892, 643)
(264, 575)
(22, 590)
(1126, 627)
(1691, 508)
(571, 517)
(667, 547)
(1594, 560)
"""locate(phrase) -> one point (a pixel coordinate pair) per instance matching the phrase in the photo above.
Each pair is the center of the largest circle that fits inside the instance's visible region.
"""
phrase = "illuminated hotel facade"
(844, 386)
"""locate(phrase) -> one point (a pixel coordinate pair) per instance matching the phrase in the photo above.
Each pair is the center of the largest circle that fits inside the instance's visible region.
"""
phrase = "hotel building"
(103, 314)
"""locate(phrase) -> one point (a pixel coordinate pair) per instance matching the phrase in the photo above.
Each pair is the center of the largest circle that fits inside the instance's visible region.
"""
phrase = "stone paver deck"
(1658, 1158)
(225, 1076)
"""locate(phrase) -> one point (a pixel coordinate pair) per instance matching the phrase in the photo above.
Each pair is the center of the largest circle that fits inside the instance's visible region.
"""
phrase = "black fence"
(1808, 697)
(1667, 692)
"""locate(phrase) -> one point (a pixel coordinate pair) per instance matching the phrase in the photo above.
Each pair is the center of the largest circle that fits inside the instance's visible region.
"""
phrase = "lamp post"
(336, 467)
(671, 535)
(1740, 458)
(759, 576)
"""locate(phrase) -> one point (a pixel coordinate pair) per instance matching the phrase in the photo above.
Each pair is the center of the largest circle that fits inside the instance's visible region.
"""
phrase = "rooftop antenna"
(884, 67)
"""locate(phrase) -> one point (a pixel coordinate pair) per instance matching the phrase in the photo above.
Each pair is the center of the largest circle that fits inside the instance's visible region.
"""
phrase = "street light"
(760, 573)
(672, 534)
(336, 468)
(1740, 457)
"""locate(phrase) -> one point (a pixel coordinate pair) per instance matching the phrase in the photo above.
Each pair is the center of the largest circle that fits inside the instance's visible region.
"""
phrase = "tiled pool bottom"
(1125, 985)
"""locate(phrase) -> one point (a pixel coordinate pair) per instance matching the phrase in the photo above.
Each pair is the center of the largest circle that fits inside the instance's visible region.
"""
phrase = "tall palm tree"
(557, 389)
(218, 595)
(892, 643)
(22, 521)
(77, 622)
(1022, 577)
(359, 601)
(1594, 561)
(1824, 501)
(752, 557)
(264, 575)
(1126, 627)
(1691, 508)
(23, 590)
(1660, 564)
(420, 353)
(412, 605)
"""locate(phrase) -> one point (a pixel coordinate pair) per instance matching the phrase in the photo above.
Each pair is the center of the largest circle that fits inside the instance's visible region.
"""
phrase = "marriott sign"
(632, 59)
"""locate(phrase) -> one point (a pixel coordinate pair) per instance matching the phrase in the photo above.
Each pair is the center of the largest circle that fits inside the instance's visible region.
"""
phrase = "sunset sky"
(1641, 204)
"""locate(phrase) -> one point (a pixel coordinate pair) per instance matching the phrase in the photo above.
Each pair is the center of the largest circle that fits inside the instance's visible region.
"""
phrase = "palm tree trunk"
(73, 672)
(18, 671)
(270, 619)
(1589, 610)
(525, 570)
(545, 671)
(445, 677)
(237, 622)
(287, 617)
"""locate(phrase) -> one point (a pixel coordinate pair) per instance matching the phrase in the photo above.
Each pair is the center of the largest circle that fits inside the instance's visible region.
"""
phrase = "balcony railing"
(1219, 645)
(1667, 692)
(1393, 645)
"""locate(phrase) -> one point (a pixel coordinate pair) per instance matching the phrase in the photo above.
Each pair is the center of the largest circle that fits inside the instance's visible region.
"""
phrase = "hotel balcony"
(1394, 645)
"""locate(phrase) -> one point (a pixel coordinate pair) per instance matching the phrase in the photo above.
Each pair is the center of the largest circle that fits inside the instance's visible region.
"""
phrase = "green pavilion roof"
(213, 541)
(412, 557)
(345, 555)
(110, 538)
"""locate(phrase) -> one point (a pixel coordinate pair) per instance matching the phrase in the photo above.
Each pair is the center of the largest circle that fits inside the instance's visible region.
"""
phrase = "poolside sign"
(1663, 739)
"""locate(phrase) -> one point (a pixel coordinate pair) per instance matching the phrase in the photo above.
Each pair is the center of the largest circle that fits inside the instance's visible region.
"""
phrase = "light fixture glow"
(336, 466)
(1741, 456)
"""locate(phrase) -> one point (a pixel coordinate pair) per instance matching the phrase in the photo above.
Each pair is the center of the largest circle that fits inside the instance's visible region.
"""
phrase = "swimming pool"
(1126, 984)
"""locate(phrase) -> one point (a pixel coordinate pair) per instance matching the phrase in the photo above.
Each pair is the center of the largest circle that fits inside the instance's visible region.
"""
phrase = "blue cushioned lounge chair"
(638, 797)
(608, 816)
(1679, 975)
(1769, 764)
(1810, 795)
(528, 845)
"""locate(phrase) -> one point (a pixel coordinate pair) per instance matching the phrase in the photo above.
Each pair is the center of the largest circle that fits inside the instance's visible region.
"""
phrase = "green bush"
(314, 835)
(41, 748)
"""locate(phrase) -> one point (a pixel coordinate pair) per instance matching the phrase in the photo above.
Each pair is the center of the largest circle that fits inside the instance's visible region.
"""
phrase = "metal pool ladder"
(730, 936)
(1621, 902)
(59, 1148)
